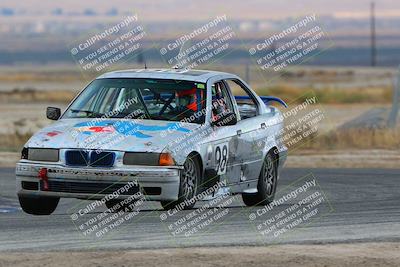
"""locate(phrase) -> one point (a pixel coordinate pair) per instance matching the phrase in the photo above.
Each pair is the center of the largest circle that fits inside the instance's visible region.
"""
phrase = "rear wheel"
(267, 183)
(189, 181)
(38, 205)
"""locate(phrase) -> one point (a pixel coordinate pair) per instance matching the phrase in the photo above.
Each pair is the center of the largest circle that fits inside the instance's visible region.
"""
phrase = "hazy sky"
(202, 9)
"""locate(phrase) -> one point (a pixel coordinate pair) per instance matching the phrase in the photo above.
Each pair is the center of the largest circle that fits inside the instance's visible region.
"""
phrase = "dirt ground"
(368, 158)
(360, 254)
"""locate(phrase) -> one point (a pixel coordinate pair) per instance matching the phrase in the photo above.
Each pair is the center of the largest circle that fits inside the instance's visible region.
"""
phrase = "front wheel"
(267, 183)
(189, 181)
(38, 205)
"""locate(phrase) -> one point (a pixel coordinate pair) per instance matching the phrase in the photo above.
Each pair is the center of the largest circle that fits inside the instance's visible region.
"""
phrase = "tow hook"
(43, 176)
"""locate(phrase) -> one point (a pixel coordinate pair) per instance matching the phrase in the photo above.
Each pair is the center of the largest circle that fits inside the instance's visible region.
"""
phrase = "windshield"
(153, 99)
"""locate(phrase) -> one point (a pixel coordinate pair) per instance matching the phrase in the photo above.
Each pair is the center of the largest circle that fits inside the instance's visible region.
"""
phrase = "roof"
(175, 74)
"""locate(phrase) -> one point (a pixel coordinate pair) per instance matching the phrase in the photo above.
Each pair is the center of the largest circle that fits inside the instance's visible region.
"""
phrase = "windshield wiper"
(132, 115)
(88, 112)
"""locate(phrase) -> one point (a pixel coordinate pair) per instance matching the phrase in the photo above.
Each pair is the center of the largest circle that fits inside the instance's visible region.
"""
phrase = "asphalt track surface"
(358, 205)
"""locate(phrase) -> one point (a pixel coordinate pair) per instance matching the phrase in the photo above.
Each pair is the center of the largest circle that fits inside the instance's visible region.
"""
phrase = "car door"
(224, 137)
(248, 125)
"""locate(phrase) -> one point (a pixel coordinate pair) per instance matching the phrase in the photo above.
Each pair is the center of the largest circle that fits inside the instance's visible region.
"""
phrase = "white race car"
(169, 134)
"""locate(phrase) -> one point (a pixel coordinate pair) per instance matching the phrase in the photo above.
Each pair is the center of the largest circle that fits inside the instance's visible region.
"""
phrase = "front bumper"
(156, 182)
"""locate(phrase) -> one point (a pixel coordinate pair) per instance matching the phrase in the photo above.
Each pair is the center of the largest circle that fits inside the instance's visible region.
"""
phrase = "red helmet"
(188, 98)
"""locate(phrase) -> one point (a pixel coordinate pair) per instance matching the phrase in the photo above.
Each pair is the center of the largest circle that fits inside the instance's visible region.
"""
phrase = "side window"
(221, 102)
(246, 104)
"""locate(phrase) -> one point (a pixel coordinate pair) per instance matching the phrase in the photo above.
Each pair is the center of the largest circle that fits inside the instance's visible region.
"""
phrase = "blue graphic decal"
(125, 128)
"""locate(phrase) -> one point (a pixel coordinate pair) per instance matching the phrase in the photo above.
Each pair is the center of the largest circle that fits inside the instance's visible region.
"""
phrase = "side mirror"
(226, 119)
(53, 113)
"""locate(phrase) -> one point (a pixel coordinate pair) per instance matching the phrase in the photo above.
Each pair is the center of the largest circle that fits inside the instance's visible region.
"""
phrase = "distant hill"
(183, 10)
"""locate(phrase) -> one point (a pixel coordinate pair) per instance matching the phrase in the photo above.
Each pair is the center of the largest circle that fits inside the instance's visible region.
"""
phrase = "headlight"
(43, 154)
(148, 159)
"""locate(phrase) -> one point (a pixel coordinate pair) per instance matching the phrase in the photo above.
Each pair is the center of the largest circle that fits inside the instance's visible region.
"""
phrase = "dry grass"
(330, 95)
(41, 76)
(32, 95)
(13, 142)
(355, 139)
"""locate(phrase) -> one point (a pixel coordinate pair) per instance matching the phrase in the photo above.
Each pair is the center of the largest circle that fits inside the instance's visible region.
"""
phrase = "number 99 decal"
(221, 154)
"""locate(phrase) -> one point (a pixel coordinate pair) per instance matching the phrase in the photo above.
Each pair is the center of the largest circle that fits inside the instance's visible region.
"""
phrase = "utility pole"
(396, 99)
(373, 36)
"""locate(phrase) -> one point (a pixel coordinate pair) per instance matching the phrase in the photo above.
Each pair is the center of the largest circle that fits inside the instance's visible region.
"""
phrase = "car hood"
(111, 134)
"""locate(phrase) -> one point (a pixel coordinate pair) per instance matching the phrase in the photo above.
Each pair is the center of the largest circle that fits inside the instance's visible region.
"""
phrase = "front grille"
(88, 188)
(29, 185)
(77, 158)
(102, 159)
(81, 158)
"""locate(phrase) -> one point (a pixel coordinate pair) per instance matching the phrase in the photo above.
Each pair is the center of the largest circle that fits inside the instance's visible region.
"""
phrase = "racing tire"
(38, 205)
(188, 186)
(267, 183)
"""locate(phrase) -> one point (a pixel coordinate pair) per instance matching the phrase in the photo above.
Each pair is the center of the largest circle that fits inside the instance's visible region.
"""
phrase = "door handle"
(239, 132)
